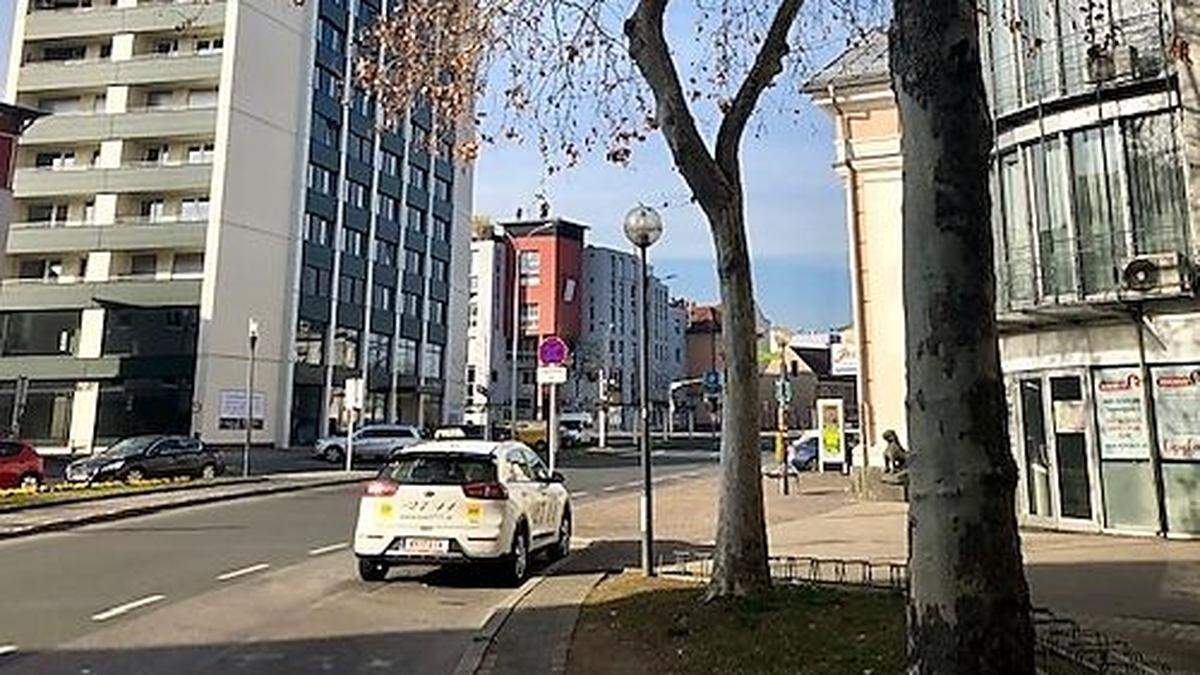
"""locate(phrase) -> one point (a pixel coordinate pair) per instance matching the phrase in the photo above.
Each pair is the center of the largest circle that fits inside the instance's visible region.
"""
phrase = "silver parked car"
(376, 442)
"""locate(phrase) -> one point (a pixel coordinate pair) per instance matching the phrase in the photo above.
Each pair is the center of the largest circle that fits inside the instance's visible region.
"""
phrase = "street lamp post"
(643, 227)
(252, 335)
(516, 317)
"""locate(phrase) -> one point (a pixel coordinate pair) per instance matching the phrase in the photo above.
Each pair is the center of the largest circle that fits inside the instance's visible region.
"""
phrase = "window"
(210, 45)
(200, 153)
(48, 213)
(327, 131)
(60, 106)
(345, 347)
(317, 229)
(202, 98)
(321, 179)
(473, 314)
(414, 262)
(327, 82)
(165, 47)
(530, 316)
(1098, 206)
(379, 354)
(44, 269)
(361, 147)
(441, 189)
(1156, 185)
(363, 104)
(431, 365)
(188, 264)
(385, 253)
(438, 270)
(529, 266)
(356, 194)
(418, 177)
(420, 138)
(1018, 235)
(314, 281)
(412, 305)
(406, 356)
(194, 209)
(153, 210)
(351, 290)
(143, 265)
(330, 35)
(161, 99)
(353, 242)
(33, 333)
(384, 298)
(441, 228)
(416, 219)
(387, 207)
(389, 163)
(64, 53)
(159, 153)
(437, 312)
(54, 160)
(310, 343)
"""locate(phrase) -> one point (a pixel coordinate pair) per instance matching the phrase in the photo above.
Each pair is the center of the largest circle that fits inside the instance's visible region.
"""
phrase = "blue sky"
(794, 203)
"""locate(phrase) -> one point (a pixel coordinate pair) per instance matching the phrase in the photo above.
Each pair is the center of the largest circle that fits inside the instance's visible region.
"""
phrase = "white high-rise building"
(209, 163)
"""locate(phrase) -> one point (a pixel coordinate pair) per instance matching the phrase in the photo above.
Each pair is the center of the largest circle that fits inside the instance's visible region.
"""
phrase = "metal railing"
(1062, 645)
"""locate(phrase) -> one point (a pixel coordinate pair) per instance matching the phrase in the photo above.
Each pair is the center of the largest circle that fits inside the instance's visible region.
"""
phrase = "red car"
(20, 465)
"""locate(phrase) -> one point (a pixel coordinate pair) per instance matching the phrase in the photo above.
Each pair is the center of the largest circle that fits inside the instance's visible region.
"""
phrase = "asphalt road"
(261, 585)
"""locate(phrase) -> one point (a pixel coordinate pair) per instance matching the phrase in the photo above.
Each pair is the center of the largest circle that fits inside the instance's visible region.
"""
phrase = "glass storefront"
(1083, 440)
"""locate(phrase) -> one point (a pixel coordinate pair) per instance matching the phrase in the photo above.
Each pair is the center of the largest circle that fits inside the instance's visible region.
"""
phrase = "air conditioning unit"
(1157, 275)
(1105, 64)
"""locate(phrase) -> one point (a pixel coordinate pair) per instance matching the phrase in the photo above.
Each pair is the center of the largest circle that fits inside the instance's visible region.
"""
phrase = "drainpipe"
(865, 422)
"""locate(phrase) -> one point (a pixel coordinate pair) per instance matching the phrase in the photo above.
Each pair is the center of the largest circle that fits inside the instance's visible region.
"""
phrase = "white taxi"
(462, 501)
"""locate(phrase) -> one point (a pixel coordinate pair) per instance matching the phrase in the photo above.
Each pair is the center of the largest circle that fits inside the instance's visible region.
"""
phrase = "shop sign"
(232, 407)
(1120, 415)
(1177, 410)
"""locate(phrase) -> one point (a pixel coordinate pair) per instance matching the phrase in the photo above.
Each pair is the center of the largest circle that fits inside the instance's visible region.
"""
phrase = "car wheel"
(371, 570)
(134, 475)
(30, 481)
(209, 472)
(563, 548)
(333, 454)
(516, 566)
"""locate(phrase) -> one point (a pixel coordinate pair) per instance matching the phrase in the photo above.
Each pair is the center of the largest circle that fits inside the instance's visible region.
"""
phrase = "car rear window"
(440, 470)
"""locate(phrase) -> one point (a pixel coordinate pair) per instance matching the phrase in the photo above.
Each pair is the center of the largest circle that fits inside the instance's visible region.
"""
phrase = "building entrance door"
(1036, 453)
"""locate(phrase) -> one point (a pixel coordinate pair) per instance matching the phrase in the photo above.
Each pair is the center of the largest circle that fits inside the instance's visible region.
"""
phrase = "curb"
(473, 657)
(176, 487)
(134, 511)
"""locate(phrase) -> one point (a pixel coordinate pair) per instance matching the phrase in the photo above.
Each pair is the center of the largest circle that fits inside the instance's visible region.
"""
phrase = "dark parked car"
(20, 465)
(139, 457)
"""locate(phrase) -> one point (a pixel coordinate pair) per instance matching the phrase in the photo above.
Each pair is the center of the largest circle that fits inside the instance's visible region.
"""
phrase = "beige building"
(1094, 187)
(209, 165)
(856, 92)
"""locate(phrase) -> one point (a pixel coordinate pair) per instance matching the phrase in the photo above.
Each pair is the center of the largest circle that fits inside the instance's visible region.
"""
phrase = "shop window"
(310, 343)
(39, 333)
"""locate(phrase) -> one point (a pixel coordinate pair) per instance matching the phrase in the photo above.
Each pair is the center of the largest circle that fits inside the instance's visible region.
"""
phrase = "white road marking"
(611, 488)
(321, 550)
(5, 650)
(127, 607)
(242, 572)
(577, 495)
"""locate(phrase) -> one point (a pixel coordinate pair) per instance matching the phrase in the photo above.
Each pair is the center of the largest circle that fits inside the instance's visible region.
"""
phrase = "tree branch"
(648, 48)
(767, 65)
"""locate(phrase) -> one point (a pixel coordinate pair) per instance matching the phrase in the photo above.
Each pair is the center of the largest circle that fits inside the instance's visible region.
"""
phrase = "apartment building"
(210, 165)
(1095, 219)
(585, 294)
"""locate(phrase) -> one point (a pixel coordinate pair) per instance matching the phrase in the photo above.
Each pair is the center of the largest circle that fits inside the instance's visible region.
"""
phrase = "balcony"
(146, 17)
(22, 294)
(144, 69)
(126, 235)
(133, 177)
(135, 124)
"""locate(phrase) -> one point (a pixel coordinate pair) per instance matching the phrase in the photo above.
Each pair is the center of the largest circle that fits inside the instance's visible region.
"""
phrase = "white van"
(576, 428)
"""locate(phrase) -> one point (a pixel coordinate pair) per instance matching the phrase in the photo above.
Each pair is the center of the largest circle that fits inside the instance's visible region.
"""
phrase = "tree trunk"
(740, 560)
(968, 609)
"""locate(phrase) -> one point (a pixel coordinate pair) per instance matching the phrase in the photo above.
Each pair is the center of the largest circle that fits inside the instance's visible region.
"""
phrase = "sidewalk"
(27, 522)
(1143, 590)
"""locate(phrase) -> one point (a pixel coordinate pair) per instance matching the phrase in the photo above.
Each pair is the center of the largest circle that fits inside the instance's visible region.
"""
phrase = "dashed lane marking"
(322, 550)
(242, 572)
(114, 612)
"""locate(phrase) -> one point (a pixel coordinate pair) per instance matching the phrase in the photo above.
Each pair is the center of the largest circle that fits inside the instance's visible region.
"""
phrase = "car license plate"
(425, 545)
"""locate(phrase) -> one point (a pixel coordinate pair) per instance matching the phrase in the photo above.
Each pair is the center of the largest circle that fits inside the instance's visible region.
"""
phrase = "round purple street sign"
(552, 351)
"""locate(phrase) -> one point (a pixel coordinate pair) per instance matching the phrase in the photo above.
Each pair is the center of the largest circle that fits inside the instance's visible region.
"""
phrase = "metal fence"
(1063, 647)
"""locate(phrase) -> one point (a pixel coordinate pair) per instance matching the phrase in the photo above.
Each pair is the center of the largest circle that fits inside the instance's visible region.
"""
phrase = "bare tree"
(969, 609)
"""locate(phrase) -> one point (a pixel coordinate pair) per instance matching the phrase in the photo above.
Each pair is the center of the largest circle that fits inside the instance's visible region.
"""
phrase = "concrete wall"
(255, 202)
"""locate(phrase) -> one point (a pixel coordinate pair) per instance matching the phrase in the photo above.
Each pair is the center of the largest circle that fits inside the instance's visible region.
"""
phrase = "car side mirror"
(557, 477)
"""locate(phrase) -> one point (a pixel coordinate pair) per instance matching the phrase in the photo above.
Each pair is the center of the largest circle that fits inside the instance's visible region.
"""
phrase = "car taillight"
(485, 491)
(380, 488)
